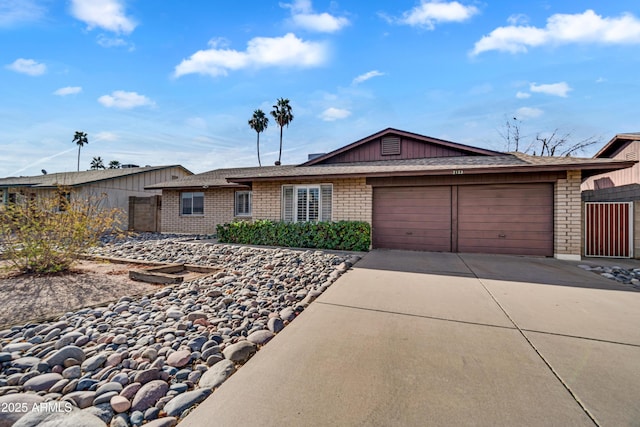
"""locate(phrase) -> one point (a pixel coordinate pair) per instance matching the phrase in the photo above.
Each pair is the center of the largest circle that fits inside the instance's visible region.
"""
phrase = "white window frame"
(290, 202)
(237, 203)
(190, 196)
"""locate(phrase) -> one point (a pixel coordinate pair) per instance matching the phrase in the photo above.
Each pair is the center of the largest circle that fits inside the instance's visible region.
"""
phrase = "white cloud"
(528, 113)
(432, 12)
(69, 90)
(302, 16)
(286, 51)
(27, 66)
(523, 95)
(106, 136)
(106, 14)
(366, 76)
(332, 114)
(518, 19)
(14, 12)
(601, 80)
(105, 41)
(587, 27)
(558, 89)
(125, 100)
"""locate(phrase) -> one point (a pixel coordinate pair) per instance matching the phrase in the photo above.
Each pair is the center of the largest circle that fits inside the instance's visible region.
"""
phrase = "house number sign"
(458, 172)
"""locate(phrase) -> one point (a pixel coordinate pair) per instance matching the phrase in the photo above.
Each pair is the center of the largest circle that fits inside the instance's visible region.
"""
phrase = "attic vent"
(390, 146)
(632, 156)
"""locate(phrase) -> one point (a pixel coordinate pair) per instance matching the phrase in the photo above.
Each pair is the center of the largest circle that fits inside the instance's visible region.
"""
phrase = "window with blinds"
(243, 203)
(302, 203)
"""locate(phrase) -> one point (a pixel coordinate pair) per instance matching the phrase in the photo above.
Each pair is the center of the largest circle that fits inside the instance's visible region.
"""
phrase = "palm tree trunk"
(258, 147)
(280, 153)
(78, 158)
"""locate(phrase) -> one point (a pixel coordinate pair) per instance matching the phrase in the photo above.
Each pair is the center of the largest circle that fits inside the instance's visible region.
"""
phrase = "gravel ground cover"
(151, 359)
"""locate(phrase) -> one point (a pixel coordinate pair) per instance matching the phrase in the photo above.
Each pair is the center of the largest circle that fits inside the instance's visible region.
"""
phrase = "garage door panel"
(415, 212)
(508, 236)
(508, 211)
(441, 226)
(415, 218)
(514, 249)
(506, 219)
(415, 243)
(535, 225)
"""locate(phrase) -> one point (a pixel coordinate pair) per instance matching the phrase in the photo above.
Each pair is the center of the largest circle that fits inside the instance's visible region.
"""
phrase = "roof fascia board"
(388, 131)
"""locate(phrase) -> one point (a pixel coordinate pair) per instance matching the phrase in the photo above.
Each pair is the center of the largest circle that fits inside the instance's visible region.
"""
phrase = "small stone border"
(625, 276)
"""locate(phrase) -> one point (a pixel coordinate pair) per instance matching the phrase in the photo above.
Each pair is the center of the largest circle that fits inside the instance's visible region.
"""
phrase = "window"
(243, 203)
(192, 204)
(64, 198)
(302, 203)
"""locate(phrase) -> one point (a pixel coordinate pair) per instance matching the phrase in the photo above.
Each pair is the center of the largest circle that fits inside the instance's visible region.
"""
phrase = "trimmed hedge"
(341, 235)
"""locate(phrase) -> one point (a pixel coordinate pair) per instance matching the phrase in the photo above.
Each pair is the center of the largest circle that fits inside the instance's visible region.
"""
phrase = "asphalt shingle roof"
(72, 179)
(507, 162)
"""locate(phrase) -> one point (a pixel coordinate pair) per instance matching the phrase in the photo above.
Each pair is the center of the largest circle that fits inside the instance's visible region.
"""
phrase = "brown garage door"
(501, 219)
(506, 219)
(414, 218)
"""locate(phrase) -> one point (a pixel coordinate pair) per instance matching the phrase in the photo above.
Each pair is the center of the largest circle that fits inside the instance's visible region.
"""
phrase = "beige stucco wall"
(351, 201)
(620, 177)
(568, 217)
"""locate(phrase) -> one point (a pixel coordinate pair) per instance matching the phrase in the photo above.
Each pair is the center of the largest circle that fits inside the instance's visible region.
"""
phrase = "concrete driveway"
(415, 339)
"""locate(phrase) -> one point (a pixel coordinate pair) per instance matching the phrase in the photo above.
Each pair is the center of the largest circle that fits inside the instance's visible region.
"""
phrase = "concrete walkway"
(416, 339)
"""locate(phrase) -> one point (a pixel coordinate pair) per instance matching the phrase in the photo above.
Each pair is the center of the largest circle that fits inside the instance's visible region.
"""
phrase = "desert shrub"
(49, 233)
(340, 235)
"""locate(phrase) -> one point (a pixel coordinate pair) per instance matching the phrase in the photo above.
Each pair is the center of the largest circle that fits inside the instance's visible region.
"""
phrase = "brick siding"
(218, 209)
(351, 199)
(568, 217)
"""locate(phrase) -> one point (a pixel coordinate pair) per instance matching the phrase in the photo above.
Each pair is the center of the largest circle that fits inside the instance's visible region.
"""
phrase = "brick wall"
(352, 199)
(568, 217)
(218, 209)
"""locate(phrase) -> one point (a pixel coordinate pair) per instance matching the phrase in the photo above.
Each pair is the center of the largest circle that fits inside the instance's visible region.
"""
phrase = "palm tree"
(80, 138)
(282, 113)
(259, 123)
(114, 164)
(97, 163)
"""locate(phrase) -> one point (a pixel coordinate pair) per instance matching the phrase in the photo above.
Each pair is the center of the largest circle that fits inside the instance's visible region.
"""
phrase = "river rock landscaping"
(626, 276)
(150, 360)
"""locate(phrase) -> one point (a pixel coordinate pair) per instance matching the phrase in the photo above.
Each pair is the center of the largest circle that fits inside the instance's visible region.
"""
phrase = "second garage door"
(506, 219)
(509, 219)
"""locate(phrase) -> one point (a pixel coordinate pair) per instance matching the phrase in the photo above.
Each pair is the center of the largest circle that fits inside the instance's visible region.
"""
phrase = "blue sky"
(175, 82)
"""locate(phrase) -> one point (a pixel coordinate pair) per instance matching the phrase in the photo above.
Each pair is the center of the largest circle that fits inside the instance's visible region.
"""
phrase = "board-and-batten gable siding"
(409, 149)
(351, 198)
(630, 151)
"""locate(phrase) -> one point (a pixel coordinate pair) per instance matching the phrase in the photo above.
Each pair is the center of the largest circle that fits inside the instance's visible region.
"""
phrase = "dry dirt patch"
(29, 297)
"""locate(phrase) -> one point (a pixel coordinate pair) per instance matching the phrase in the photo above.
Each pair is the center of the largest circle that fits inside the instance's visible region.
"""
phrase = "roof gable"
(394, 144)
(617, 144)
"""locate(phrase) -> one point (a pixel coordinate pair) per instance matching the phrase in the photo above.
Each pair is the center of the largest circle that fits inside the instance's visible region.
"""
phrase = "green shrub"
(48, 234)
(341, 235)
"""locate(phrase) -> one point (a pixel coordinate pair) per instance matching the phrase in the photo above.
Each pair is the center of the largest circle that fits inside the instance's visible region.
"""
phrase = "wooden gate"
(144, 213)
(609, 229)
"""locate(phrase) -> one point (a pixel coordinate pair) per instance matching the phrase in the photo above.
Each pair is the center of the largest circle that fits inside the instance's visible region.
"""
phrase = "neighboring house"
(612, 226)
(117, 185)
(618, 184)
(417, 192)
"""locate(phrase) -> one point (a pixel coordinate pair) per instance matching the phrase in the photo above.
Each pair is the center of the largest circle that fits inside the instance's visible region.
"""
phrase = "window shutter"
(326, 193)
(287, 203)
